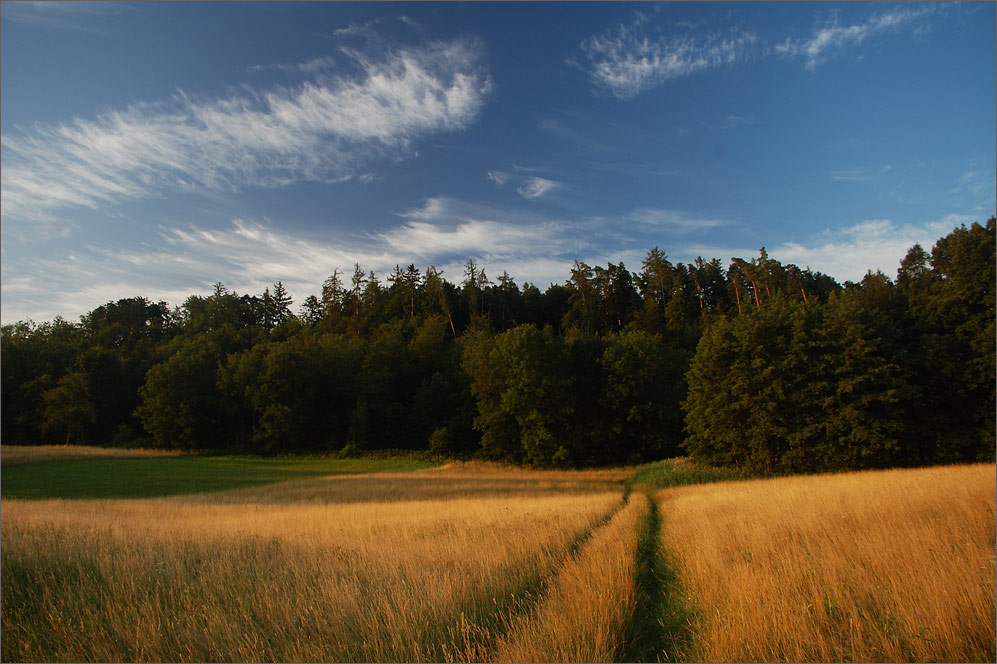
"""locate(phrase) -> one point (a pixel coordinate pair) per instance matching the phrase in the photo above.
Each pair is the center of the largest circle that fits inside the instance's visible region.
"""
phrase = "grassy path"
(483, 626)
(659, 629)
(645, 636)
(584, 612)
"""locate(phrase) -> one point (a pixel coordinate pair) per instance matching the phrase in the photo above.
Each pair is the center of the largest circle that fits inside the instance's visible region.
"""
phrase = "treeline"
(759, 365)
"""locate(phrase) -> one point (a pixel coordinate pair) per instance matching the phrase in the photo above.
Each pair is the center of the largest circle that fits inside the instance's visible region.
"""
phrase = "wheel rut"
(659, 628)
(478, 635)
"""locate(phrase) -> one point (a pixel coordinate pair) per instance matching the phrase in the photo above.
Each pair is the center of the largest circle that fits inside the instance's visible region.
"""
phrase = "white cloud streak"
(846, 253)
(530, 187)
(450, 226)
(837, 38)
(498, 177)
(534, 187)
(627, 62)
(327, 129)
(675, 221)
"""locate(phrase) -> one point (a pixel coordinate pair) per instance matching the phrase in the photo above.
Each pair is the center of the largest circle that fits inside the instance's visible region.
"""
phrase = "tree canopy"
(759, 365)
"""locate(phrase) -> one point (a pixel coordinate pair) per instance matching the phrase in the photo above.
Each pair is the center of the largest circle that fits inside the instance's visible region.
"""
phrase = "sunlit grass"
(13, 455)
(589, 607)
(200, 578)
(481, 561)
(877, 566)
(680, 472)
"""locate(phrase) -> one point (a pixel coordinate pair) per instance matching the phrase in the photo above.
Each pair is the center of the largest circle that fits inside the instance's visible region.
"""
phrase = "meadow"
(478, 561)
(63, 471)
(890, 566)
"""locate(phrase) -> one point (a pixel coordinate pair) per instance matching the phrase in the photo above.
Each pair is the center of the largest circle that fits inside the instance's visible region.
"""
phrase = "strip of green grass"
(679, 472)
(168, 476)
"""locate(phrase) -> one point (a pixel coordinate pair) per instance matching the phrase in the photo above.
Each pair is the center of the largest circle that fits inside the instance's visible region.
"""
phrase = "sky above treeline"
(154, 149)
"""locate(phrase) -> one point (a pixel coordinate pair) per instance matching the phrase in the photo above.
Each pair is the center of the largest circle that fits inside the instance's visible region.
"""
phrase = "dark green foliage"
(763, 367)
(68, 406)
(747, 389)
(500, 434)
(299, 391)
(522, 382)
(545, 400)
(644, 384)
(793, 387)
(181, 405)
(879, 375)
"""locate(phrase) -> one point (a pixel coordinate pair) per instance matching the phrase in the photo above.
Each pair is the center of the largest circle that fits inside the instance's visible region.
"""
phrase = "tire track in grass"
(659, 629)
(479, 629)
(585, 613)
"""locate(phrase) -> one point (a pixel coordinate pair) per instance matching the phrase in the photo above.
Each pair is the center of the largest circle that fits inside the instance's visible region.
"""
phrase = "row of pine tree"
(759, 365)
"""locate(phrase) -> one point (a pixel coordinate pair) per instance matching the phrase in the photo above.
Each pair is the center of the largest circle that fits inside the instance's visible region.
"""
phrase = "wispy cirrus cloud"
(535, 187)
(248, 255)
(530, 187)
(634, 58)
(847, 253)
(976, 185)
(327, 129)
(324, 63)
(628, 61)
(445, 226)
(498, 177)
(835, 38)
(675, 221)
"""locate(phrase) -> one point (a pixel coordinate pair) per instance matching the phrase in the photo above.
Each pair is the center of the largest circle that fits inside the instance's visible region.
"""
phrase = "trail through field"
(659, 628)
(586, 610)
(475, 640)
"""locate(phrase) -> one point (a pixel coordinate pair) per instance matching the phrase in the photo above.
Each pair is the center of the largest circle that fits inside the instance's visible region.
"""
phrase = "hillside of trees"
(757, 365)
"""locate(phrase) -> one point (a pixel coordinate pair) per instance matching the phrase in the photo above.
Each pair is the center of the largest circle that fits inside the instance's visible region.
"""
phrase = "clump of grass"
(680, 472)
(876, 566)
(589, 605)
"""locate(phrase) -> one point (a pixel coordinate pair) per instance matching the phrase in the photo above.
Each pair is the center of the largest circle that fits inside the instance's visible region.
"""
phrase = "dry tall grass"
(196, 579)
(590, 603)
(456, 480)
(877, 566)
(12, 455)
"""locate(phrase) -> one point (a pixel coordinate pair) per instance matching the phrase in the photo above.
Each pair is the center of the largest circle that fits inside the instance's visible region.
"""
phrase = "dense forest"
(758, 365)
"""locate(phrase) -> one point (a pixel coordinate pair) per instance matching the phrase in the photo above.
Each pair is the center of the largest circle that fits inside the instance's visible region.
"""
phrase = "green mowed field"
(148, 477)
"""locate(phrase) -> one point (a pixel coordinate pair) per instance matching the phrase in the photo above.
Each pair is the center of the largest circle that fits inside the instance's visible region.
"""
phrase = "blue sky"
(155, 148)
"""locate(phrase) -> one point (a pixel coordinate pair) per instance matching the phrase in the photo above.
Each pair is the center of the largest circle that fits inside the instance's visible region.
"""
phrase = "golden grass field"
(587, 611)
(17, 454)
(209, 577)
(887, 566)
(484, 562)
